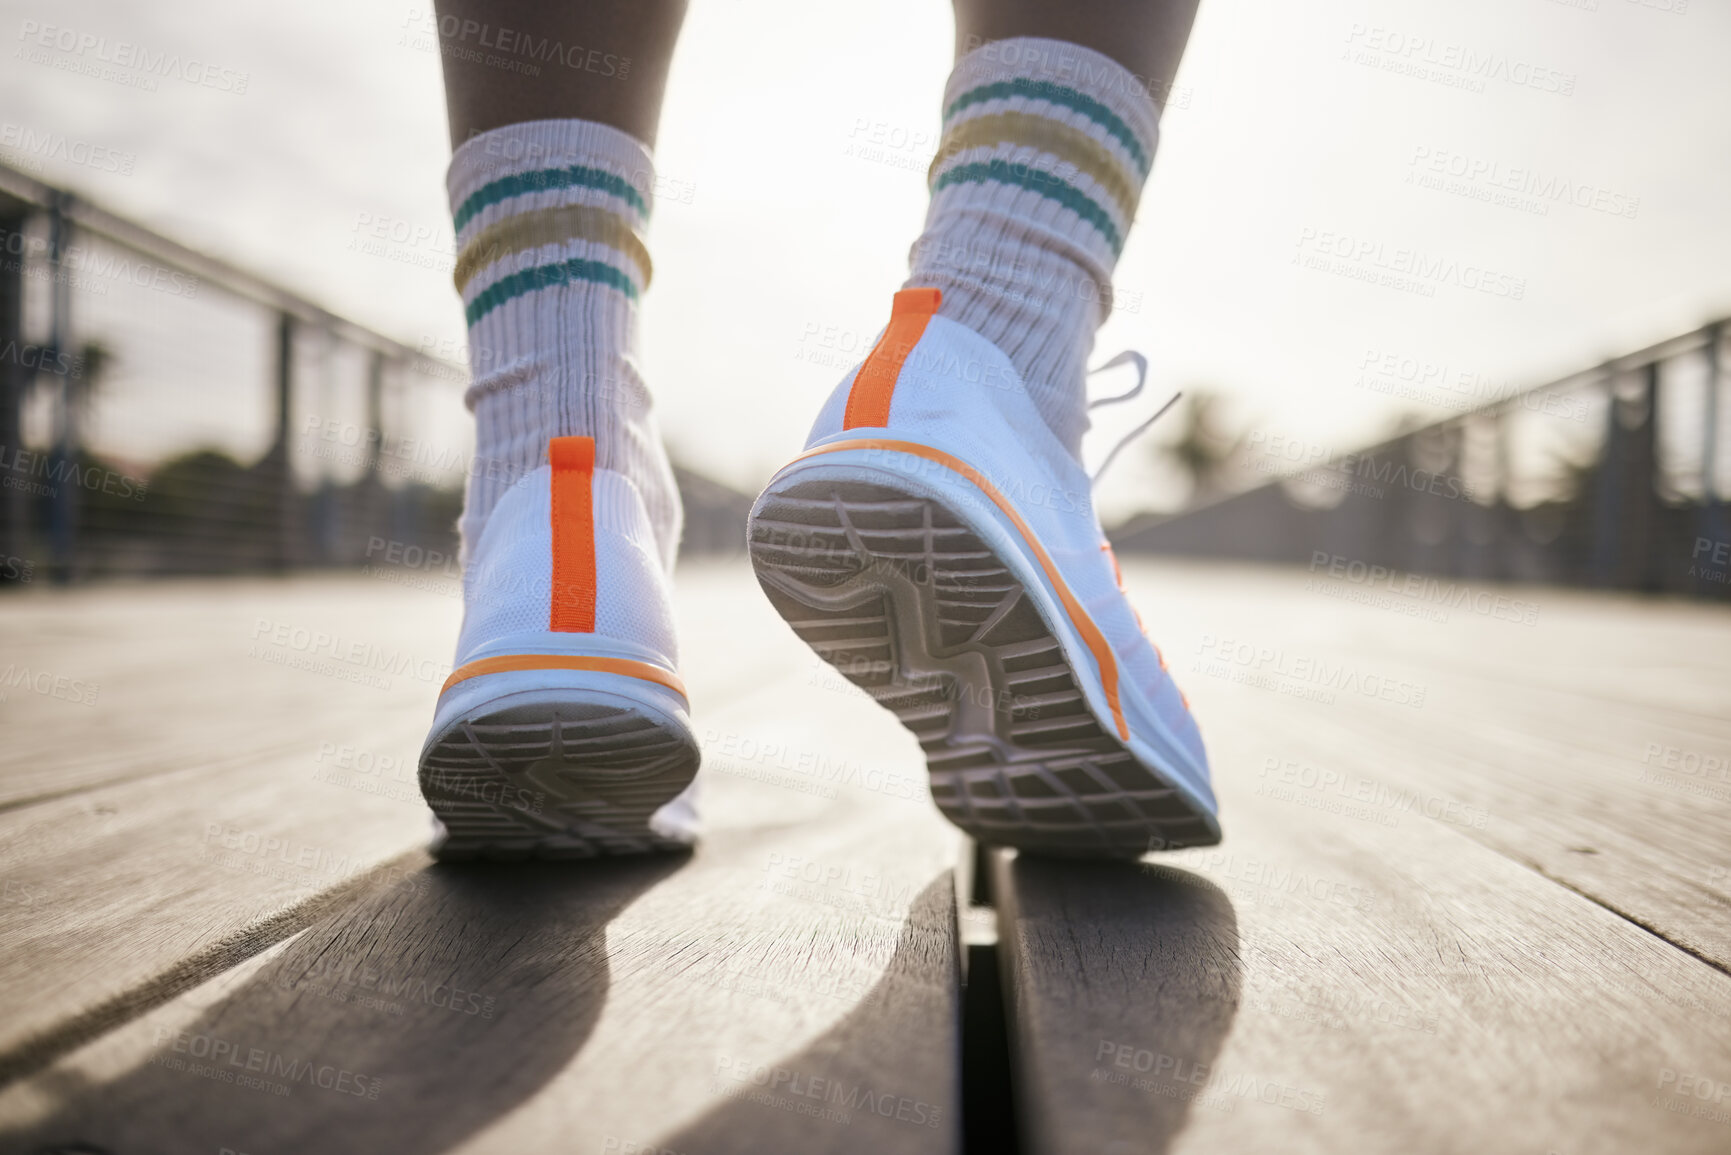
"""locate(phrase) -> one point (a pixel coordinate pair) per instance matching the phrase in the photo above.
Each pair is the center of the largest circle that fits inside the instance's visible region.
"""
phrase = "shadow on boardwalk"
(434, 1008)
(408, 1023)
(1125, 980)
(1147, 959)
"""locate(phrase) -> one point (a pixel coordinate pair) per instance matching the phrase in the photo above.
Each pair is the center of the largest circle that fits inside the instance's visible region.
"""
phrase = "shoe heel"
(906, 600)
(567, 769)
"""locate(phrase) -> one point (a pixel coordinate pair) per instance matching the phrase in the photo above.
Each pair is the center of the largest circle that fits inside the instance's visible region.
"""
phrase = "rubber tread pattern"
(574, 780)
(904, 600)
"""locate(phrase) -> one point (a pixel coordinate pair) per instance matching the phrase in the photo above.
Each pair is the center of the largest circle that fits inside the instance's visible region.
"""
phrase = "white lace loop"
(1127, 357)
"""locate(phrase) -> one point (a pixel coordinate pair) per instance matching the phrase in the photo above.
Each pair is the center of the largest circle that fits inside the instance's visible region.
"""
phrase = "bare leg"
(512, 61)
(1145, 36)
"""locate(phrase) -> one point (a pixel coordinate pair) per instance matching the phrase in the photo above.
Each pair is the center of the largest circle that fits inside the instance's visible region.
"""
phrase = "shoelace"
(1131, 357)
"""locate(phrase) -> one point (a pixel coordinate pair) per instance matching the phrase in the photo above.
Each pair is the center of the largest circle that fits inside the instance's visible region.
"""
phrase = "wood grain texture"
(1435, 949)
(1336, 989)
(216, 674)
(140, 680)
(1330, 980)
(791, 986)
(118, 889)
(211, 792)
(1548, 743)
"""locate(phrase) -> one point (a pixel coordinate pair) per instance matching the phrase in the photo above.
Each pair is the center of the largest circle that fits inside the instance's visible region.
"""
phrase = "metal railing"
(1611, 477)
(162, 411)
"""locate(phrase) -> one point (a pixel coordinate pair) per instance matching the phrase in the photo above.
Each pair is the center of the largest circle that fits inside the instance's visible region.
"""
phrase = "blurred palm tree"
(80, 379)
(1207, 446)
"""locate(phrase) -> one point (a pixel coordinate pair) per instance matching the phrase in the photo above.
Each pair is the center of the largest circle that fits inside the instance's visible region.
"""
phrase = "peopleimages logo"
(1522, 180)
(1408, 267)
(1227, 1086)
(1322, 787)
(1271, 667)
(1435, 382)
(808, 1094)
(21, 465)
(1458, 65)
(1276, 450)
(1410, 589)
(48, 684)
(90, 51)
(79, 264)
(43, 145)
(230, 1062)
(1699, 1096)
(304, 647)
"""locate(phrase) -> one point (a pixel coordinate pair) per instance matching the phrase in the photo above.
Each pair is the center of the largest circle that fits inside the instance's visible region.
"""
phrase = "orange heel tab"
(874, 386)
(916, 302)
(573, 521)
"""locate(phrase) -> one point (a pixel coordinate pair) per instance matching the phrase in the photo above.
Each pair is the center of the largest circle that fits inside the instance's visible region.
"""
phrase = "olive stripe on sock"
(1059, 95)
(542, 180)
(1048, 186)
(1026, 221)
(550, 289)
(534, 230)
(546, 277)
(1052, 137)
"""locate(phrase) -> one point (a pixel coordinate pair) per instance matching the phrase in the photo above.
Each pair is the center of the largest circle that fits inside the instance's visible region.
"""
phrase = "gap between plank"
(988, 1093)
(1622, 914)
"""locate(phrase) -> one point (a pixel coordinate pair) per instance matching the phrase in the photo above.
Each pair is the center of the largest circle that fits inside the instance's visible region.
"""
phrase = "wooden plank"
(254, 788)
(175, 675)
(250, 758)
(792, 986)
(1323, 983)
(1571, 803)
(1549, 743)
(156, 679)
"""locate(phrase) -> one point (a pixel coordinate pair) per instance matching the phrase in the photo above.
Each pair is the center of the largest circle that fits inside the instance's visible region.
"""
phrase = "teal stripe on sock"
(546, 277)
(1043, 183)
(1056, 94)
(577, 176)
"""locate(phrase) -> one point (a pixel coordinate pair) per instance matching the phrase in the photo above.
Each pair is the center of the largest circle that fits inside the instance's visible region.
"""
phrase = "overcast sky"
(1298, 163)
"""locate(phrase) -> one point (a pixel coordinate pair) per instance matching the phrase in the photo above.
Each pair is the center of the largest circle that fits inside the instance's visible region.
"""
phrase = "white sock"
(1045, 148)
(550, 265)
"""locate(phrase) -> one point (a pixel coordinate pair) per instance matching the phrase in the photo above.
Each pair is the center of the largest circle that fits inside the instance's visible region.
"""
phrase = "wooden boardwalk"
(1475, 895)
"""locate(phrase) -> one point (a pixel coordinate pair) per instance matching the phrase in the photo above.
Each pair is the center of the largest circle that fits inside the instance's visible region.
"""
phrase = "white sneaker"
(939, 547)
(563, 730)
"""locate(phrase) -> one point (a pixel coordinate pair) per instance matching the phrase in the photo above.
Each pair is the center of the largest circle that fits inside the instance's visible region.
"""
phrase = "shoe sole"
(906, 601)
(556, 773)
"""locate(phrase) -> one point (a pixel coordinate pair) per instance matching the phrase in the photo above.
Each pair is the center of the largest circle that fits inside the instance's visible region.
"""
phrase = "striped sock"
(1045, 147)
(550, 266)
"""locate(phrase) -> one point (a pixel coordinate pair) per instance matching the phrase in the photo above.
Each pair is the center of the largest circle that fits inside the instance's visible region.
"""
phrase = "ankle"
(1033, 190)
(549, 217)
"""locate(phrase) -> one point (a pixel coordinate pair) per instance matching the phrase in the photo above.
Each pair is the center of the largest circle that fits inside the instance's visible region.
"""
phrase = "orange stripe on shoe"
(510, 662)
(1096, 641)
(573, 517)
(1118, 575)
(868, 402)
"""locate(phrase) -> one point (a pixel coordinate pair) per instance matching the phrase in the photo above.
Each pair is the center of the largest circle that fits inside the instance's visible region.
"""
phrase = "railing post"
(1646, 508)
(1606, 494)
(284, 481)
(371, 512)
(1707, 524)
(14, 381)
(63, 507)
